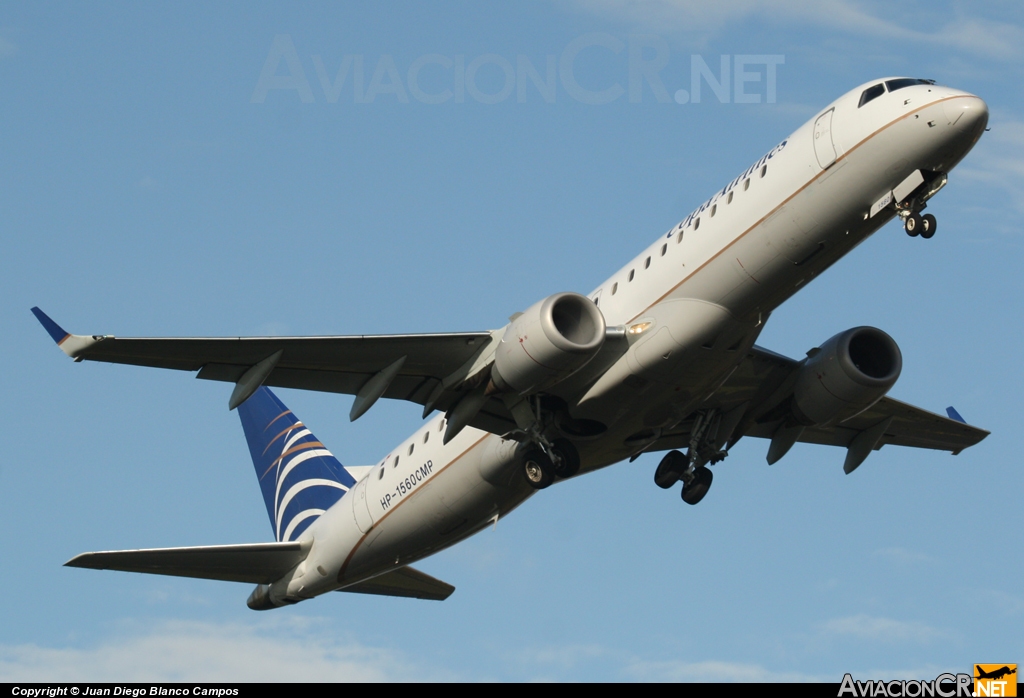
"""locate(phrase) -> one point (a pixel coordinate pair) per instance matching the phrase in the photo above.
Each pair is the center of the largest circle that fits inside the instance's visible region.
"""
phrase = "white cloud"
(994, 39)
(289, 649)
(876, 629)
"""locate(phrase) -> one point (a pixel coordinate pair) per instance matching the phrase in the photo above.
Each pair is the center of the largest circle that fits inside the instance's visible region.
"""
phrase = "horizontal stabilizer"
(255, 563)
(407, 582)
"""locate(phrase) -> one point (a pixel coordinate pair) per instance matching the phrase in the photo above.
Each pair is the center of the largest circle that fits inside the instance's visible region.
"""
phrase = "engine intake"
(846, 375)
(551, 340)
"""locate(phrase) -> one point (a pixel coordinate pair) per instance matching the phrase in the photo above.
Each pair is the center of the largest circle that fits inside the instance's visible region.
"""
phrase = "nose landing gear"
(909, 209)
(915, 224)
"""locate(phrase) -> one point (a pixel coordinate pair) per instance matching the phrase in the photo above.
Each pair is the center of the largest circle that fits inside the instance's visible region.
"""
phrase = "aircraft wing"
(762, 383)
(337, 364)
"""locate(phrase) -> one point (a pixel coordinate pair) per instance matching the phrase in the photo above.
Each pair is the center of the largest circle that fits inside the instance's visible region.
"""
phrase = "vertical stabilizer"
(299, 477)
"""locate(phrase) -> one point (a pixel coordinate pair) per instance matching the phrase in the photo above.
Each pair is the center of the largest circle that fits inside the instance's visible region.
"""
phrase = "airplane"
(996, 674)
(661, 356)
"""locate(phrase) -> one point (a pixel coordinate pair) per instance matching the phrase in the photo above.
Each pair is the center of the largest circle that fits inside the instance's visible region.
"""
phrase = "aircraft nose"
(968, 114)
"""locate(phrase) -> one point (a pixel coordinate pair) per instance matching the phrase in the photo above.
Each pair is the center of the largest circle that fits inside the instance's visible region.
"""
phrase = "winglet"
(55, 330)
(953, 414)
(71, 344)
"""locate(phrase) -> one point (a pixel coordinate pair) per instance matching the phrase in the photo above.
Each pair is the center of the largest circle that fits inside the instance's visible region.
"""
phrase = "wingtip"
(77, 560)
(953, 414)
(51, 327)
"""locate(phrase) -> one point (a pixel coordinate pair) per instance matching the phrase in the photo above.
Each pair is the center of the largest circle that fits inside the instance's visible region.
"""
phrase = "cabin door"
(824, 149)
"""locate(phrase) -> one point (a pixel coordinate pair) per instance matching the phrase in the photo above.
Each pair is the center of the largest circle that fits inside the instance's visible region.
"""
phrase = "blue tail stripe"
(298, 476)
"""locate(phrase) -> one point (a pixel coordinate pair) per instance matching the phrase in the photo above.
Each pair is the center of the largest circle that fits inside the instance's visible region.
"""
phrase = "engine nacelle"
(551, 340)
(846, 375)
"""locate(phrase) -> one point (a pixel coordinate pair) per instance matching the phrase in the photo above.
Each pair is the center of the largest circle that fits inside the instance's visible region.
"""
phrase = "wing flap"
(255, 563)
(405, 582)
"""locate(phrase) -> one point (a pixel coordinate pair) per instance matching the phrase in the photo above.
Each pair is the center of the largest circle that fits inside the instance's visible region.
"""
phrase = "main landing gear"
(674, 467)
(540, 469)
(691, 468)
(542, 459)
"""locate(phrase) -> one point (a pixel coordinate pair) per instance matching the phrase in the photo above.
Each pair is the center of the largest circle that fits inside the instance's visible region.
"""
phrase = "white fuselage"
(705, 287)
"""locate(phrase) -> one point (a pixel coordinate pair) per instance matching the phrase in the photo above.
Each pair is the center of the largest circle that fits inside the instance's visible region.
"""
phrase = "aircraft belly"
(454, 504)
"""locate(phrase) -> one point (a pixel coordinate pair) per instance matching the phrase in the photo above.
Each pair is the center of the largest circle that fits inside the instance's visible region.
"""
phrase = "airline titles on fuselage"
(729, 187)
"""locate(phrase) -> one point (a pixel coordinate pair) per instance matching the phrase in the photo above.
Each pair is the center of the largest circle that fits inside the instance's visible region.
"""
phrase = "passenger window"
(647, 263)
(729, 200)
(714, 209)
(615, 287)
(411, 447)
(764, 170)
(696, 224)
(631, 274)
(426, 436)
(395, 464)
(380, 475)
(664, 249)
(870, 94)
(746, 184)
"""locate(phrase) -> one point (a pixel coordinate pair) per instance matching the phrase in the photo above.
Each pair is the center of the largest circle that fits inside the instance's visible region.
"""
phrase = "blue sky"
(148, 186)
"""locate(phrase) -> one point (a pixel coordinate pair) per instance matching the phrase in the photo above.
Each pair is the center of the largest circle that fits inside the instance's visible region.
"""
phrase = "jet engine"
(845, 376)
(551, 340)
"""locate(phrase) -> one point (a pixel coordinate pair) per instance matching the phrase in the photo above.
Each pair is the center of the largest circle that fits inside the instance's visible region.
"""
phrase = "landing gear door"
(824, 149)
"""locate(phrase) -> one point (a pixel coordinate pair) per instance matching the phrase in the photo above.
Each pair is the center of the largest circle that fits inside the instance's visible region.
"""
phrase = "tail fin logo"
(299, 477)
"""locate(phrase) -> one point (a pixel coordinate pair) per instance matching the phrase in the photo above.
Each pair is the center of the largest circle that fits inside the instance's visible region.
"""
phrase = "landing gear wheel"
(568, 462)
(538, 469)
(698, 487)
(928, 225)
(913, 224)
(669, 469)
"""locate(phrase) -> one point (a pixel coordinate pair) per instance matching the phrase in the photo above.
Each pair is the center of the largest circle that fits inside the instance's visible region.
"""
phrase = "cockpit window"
(870, 93)
(900, 83)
